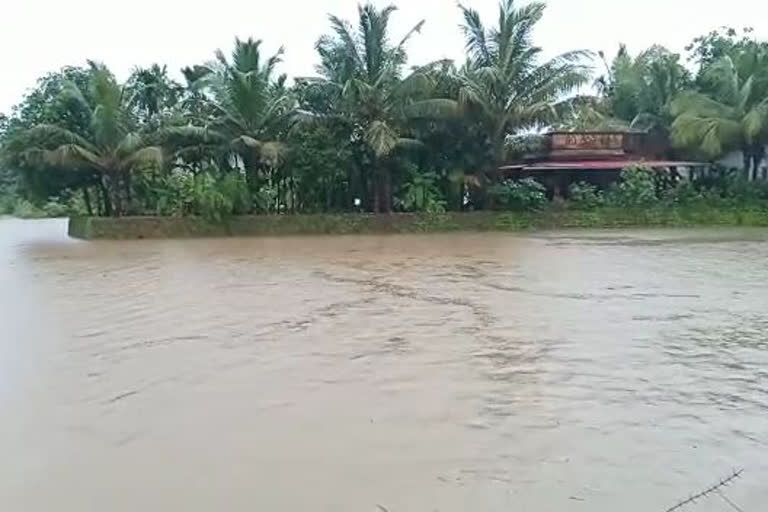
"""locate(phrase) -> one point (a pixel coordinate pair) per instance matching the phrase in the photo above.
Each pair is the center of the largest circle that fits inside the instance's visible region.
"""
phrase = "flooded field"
(574, 371)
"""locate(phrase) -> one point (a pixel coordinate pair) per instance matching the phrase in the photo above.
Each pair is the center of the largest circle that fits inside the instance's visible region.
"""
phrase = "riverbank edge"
(123, 228)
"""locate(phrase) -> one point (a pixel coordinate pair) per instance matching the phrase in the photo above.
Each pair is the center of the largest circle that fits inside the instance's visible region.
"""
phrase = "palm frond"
(515, 32)
(107, 120)
(475, 37)
(416, 29)
(348, 41)
(646, 122)
(150, 156)
(73, 97)
(409, 144)
(272, 152)
(72, 155)
(414, 85)
(184, 136)
(381, 138)
(701, 105)
(244, 142)
(437, 108)
(48, 136)
(131, 143)
(725, 77)
(711, 135)
(755, 124)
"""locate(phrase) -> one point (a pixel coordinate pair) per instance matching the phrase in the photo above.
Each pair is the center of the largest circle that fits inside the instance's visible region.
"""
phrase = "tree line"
(366, 133)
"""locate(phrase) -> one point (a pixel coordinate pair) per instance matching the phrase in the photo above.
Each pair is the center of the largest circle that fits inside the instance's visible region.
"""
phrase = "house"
(735, 160)
(594, 157)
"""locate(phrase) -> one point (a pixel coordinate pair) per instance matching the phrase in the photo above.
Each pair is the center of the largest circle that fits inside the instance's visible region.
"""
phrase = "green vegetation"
(236, 138)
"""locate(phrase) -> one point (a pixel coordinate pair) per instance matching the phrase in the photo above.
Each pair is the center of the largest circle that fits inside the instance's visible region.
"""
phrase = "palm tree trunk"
(251, 175)
(277, 180)
(376, 187)
(757, 159)
(127, 185)
(294, 194)
(113, 187)
(376, 196)
(350, 187)
(747, 163)
(497, 160)
(87, 200)
(105, 196)
(387, 189)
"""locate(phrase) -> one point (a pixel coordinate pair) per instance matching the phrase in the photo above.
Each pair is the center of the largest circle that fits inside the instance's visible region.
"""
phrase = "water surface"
(584, 371)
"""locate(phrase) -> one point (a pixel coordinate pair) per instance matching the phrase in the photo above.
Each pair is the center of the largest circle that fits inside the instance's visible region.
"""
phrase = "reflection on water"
(579, 371)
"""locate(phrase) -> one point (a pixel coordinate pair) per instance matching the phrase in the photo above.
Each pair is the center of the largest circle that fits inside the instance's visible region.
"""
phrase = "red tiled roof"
(598, 165)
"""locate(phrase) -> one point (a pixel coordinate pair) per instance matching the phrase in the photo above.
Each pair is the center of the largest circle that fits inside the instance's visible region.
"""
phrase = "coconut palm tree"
(640, 90)
(504, 84)
(362, 73)
(111, 147)
(248, 108)
(733, 116)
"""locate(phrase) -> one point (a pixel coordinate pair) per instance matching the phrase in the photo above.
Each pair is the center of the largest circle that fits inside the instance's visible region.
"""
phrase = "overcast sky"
(37, 36)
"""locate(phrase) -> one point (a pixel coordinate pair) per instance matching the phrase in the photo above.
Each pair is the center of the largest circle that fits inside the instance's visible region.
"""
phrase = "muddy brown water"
(586, 371)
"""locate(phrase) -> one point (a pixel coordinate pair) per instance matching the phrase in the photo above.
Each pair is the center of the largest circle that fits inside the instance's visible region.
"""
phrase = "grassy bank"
(274, 225)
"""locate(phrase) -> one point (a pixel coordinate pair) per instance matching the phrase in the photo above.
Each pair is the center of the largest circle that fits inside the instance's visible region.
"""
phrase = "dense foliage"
(367, 133)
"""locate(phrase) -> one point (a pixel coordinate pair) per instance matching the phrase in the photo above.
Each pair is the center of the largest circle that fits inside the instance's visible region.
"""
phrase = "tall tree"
(504, 82)
(109, 146)
(249, 108)
(640, 90)
(733, 115)
(42, 105)
(153, 94)
(709, 48)
(363, 71)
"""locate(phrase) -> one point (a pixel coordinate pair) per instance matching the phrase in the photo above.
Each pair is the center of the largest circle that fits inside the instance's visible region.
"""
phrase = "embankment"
(91, 228)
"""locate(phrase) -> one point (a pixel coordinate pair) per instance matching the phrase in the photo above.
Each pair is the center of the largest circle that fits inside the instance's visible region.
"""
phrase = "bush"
(421, 194)
(585, 196)
(24, 209)
(54, 208)
(636, 188)
(525, 194)
(234, 187)
(7, 204)
(743, 191)
(180, 193)
(208, 200)
(8, 196)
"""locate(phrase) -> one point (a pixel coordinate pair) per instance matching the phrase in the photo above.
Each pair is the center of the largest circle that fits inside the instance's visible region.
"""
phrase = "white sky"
(37, 36)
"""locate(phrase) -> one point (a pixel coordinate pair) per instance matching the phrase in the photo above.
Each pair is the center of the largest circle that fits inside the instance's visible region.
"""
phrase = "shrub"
(54, 208)
(421, 194)
(24, 209)
(636, 188)
(208, 200)
(585, 196)
(7, 204)
(8, 196)
(234, 187)
(525, 194)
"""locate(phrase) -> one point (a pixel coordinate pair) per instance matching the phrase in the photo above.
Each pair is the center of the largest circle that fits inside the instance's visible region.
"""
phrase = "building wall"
(735, 159)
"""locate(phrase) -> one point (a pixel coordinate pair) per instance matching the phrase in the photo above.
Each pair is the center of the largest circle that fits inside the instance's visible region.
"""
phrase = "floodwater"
(574, 371)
